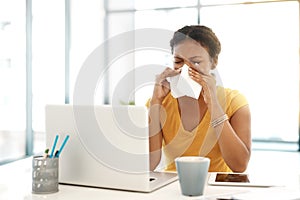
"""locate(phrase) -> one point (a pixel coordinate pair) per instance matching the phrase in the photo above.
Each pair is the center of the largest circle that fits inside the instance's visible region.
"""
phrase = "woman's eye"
(177, 62)
(196, 63)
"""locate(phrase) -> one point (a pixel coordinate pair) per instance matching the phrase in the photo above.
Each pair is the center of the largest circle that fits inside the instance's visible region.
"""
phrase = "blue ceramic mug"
(192, 173)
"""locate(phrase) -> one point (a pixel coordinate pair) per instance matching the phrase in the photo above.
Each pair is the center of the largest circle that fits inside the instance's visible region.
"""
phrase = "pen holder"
(44, 175)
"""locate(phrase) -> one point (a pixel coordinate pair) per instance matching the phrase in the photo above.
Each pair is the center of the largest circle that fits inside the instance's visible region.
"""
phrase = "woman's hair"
(201, 34)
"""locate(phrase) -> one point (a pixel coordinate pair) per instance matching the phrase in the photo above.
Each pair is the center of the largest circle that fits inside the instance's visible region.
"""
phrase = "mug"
(192, 173)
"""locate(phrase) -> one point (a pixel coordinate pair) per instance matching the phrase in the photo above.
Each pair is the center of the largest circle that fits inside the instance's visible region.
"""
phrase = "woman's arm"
(234, 136)
(235, 139)
(160, 91)
(155, 134)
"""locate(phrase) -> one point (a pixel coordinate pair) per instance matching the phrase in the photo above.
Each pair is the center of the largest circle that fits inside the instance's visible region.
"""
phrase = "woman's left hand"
(209, 88)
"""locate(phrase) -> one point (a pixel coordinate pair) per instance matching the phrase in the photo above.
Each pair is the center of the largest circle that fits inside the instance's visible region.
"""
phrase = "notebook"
(108, 147)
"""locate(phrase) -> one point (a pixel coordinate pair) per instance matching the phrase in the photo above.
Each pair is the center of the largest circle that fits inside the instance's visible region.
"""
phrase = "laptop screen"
(115, 136)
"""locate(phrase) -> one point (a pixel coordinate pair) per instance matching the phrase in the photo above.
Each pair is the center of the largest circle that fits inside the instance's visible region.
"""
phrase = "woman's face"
(193, 54)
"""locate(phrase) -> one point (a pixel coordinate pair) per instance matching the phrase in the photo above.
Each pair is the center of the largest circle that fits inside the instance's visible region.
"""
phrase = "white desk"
(15, 183)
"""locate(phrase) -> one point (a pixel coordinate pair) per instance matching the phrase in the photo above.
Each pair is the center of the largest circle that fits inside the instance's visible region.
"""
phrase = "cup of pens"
(45, 170)
(44, 175)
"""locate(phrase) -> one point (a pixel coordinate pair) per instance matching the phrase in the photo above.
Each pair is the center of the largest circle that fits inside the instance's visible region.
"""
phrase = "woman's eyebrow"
(177, 57)
(191, 58)
(181, 57)
(195, 57)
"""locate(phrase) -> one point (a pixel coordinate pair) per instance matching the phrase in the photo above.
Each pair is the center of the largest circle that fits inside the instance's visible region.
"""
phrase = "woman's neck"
(191, 111)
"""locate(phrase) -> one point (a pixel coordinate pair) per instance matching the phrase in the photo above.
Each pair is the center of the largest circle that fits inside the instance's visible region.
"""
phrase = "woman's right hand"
(162, 86)
(160, 91)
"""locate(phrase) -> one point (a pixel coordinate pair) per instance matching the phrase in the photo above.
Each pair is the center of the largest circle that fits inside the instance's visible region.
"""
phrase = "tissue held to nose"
(183, 85)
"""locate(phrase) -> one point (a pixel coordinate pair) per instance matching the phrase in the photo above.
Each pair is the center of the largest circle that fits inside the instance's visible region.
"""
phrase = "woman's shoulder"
(168, 100)
(229, 93)
(234, 99)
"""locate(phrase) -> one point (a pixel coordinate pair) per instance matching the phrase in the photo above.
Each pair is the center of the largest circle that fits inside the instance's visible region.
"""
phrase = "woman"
(215, 125)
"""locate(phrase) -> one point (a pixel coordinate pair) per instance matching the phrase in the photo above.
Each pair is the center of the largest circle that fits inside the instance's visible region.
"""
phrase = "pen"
(62, 146)
(46, 153)
(53, 148)
(56, 154)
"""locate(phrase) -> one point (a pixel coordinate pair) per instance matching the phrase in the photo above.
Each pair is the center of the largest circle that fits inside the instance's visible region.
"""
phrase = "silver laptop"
(108, 147)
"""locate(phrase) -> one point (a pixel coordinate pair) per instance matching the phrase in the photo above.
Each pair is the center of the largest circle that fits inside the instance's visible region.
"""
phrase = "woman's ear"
(214, 62)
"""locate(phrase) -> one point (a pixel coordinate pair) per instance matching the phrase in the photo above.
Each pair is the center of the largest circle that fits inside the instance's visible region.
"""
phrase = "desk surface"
(15, 183)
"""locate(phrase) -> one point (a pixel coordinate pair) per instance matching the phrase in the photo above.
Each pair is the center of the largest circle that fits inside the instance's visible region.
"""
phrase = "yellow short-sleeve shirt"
(202, 141)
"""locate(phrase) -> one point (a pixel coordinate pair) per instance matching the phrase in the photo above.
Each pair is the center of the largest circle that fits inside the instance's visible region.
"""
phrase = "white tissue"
(183, 85)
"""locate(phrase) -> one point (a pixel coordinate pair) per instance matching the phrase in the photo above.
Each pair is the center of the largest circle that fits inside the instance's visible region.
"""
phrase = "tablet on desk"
(237, 179)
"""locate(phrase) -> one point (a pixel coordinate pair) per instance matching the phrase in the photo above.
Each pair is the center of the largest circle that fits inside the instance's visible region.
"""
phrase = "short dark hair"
(201, 34)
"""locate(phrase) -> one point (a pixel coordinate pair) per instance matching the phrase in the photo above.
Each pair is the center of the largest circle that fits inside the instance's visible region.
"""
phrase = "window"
(50, 79)
(12, 80)
(48, 63)
(86, 34)
(259, 54)
(260, 57)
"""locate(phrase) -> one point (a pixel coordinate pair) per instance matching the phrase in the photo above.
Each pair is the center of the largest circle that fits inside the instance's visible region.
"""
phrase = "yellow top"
(202, 141)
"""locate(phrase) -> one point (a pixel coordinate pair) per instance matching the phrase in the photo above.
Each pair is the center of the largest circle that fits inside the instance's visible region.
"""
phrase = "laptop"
(108, 147)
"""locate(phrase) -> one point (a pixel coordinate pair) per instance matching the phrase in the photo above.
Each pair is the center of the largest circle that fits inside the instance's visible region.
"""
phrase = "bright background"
(43, 44)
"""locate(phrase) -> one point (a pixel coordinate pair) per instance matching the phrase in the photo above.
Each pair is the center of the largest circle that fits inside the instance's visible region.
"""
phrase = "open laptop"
(108, 147)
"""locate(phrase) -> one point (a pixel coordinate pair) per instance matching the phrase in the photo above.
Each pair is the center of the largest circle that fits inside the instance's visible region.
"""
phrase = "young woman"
(216, 125)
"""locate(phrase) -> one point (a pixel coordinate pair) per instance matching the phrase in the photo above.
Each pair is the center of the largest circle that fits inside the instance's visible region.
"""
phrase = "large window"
(86, 34)
(260, 57)
(12, 79)
(260, 53)
(39, 62)
(48, 63)
(44, 43)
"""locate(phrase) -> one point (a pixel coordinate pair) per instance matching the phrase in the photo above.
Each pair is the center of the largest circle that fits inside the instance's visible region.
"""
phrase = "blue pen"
(54, 145)
(62, 146)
